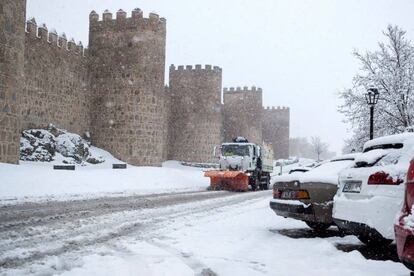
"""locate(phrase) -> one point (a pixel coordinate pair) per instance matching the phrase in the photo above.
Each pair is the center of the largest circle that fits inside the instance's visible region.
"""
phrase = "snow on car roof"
(390, 139)
(349, 156)
(328, 172)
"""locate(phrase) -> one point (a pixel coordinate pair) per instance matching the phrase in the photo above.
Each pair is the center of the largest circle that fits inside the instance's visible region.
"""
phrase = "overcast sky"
(298, 51)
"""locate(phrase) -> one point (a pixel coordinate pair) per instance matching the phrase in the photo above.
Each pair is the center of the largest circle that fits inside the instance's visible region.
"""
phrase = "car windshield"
(239, 150)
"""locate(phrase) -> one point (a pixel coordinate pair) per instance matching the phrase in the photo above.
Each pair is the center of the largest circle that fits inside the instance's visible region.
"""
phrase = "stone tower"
(12, 35)
(127, 63)
(276, 130)
(196, 120)
(243, 113)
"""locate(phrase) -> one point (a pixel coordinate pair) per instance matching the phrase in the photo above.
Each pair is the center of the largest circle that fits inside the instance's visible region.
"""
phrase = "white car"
(371, 192)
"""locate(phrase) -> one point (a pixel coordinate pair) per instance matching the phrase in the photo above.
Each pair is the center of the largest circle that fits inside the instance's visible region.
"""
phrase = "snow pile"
(370, 157)
(37, 181)
(53, 144)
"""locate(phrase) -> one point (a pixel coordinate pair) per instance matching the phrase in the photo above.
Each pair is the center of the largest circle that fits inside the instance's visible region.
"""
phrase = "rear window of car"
(379, 156)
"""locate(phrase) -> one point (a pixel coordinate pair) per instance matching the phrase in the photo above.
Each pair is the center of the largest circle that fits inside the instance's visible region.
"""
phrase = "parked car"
(404, 227)
(308, 196)
(371, 192)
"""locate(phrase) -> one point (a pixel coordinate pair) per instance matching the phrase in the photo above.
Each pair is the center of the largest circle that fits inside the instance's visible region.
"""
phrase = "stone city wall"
(243, 113)
(196, 122)
(56, 81)
(12, 17)
(276, 130)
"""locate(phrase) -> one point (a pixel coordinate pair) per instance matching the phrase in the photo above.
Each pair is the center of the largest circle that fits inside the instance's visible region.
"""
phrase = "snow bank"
(34, 181)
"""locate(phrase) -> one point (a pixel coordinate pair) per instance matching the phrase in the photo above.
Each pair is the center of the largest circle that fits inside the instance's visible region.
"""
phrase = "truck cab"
(239, 156)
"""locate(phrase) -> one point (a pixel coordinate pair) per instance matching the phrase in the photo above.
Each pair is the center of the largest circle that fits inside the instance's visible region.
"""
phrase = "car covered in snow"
(404, 227)
(308, 196)
(371, 192)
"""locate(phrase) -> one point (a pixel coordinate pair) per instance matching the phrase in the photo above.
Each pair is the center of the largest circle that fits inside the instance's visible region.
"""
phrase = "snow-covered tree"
(390, 69)
(318, 146)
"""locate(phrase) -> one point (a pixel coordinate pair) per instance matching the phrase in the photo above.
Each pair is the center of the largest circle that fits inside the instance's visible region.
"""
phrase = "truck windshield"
(229, 150)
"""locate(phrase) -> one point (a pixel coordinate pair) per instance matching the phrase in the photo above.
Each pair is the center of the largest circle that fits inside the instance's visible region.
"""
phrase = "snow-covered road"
(200, 233)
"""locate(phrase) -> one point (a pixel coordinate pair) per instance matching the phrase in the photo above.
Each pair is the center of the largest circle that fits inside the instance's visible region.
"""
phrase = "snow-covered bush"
(44, 144)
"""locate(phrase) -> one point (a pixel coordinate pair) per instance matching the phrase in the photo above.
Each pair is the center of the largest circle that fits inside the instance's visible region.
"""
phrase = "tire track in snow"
(25, 242)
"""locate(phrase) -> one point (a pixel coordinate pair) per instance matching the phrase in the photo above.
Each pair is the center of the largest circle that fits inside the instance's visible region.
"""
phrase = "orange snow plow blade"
(228, 180)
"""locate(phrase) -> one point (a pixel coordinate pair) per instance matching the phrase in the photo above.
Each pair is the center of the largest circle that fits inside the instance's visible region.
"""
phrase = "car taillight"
(302, 194)
(383, 178)
(409, 188)
(277, 193)
(410, 173)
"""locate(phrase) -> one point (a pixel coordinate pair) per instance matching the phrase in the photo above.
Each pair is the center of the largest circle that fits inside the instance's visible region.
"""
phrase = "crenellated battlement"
(122, 101)
(122, 21)
(52, 38)
(239, 89)
(196, 68)
(278, 108)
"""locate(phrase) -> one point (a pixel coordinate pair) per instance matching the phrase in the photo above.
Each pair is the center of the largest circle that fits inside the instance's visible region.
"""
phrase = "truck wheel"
(255, 185)
(264, 182)
(267, 185)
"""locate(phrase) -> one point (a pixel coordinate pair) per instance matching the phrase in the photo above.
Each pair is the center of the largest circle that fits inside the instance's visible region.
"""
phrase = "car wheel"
(374, 241)
(318, 227)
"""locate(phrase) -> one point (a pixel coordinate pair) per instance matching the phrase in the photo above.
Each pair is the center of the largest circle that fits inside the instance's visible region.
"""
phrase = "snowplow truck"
(242, 166)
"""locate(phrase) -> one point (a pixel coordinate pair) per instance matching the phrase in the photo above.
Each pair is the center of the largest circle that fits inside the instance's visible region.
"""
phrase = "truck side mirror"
(217, 150)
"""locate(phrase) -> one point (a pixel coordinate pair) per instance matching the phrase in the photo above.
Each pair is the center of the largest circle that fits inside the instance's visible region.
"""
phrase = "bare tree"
(318, 146)
(390, 69)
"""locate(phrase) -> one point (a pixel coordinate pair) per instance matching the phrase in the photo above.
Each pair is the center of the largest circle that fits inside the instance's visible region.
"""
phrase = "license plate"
(352, 187)
(288, 194)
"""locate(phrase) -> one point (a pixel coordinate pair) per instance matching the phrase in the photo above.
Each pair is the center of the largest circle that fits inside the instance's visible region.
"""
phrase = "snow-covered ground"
(100, 221)
(34, 181)
(234, 235)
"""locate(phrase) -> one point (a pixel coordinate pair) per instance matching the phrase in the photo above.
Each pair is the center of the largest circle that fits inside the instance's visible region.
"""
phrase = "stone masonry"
(196, 121)
(275, 124)
(114, 91)
(243, 113)
(127, 61)
(12, 16)
(56, 81)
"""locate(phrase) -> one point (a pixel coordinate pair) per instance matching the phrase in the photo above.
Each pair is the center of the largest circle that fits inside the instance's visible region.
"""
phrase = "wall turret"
(243, 113)
(196, 112)
(275, 124)
(127, 64)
